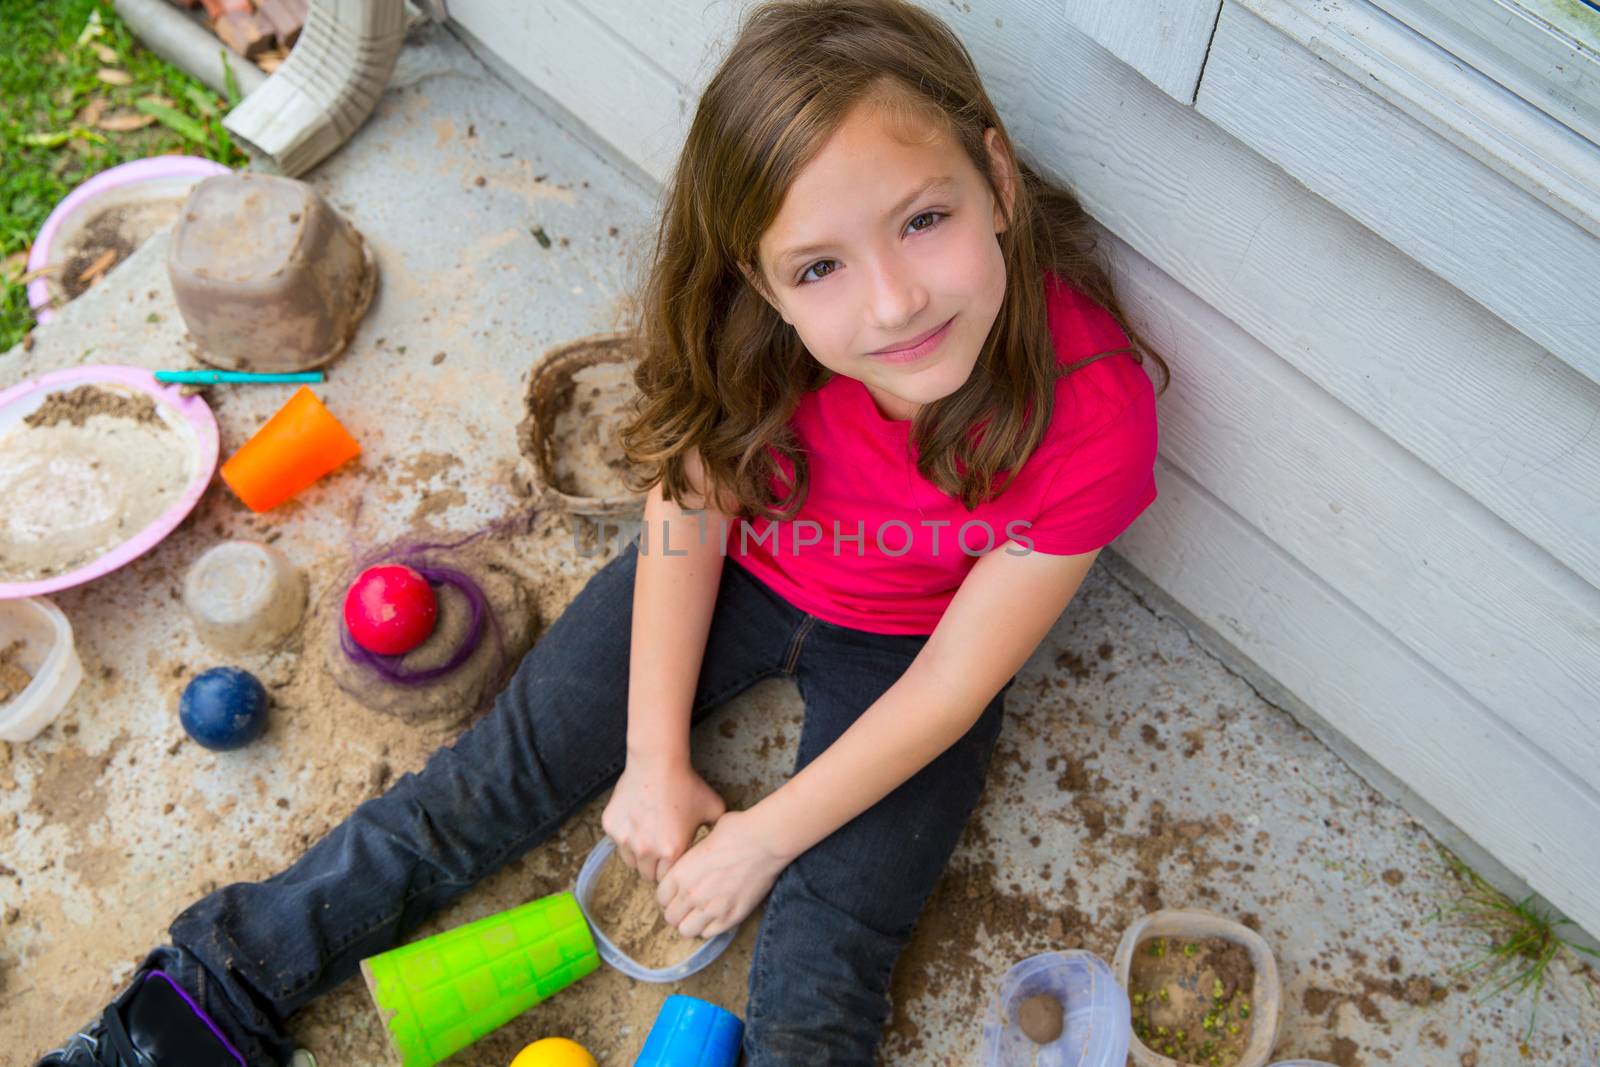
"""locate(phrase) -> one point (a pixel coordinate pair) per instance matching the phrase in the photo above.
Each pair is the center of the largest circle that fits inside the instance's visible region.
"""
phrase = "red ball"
(390, 610)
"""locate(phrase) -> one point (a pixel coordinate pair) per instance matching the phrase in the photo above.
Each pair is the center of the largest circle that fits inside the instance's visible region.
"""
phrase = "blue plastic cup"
(690, 1032)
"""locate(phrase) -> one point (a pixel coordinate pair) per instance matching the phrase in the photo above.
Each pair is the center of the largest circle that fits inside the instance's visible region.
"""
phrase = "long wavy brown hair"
(720, 371)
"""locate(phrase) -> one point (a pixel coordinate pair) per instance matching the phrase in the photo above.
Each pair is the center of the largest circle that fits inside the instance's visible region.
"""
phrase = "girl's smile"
(914, 352)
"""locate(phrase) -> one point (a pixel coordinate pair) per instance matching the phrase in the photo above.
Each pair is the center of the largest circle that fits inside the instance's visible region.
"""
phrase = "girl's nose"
(898, 297)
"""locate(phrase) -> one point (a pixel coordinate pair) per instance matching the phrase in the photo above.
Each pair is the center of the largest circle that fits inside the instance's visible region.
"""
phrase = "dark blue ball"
(224, 708)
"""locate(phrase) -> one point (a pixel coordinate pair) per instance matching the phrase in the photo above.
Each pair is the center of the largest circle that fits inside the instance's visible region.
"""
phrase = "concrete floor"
(1135, 771)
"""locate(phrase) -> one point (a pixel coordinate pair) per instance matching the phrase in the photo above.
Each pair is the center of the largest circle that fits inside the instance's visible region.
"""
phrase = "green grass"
(50, 83)
(1513, 941)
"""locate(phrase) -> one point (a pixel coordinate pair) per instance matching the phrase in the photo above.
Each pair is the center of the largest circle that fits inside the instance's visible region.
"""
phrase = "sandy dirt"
(504, 633)
(90, 468)
(1134, 770)
(589, 459)
(1192, 1000)
(14, 677)
(624, 906)
(106, 240)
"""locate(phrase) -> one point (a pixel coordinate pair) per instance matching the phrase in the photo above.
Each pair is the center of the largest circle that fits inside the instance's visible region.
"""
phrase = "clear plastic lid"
(1096, 1018)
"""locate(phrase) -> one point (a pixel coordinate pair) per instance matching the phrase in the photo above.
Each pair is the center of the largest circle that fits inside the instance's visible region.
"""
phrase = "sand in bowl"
(14, 677)
(589, 459)
(84, 472)
(624, 906)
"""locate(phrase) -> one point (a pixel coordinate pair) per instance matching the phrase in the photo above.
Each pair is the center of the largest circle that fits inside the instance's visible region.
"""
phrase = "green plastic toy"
(439, 995)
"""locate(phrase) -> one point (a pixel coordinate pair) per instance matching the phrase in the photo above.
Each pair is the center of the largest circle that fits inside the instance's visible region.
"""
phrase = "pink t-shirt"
(878, 547)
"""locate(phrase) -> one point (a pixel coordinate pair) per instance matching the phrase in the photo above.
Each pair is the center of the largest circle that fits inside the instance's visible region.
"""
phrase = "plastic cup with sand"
(1057, 1009)
(439, 995)
(629, 928)
(39, 666)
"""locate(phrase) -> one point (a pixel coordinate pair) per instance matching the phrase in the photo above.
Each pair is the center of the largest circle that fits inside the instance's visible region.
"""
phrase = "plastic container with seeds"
(1179, 926)
(578, 399)
(267, 275)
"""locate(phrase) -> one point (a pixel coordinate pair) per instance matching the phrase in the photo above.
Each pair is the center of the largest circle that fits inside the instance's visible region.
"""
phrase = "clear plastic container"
(48, 655)
(1096, 1019)
(614, 956)
(243, 596)
(1197, 924)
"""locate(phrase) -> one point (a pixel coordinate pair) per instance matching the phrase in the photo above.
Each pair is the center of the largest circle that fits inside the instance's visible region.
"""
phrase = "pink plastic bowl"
(20, 400)
(156, 168)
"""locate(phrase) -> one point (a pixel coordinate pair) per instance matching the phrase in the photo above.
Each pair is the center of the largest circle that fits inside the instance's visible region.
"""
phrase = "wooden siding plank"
(1480, 604)
(1485, 235)
(1543, 63)
(1165, 40)
(1467, 108)
(685, 38)
(584, 65)
(1478, 402)
(1473, 768)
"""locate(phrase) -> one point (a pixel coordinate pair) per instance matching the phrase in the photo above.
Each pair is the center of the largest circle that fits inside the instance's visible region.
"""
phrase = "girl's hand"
(721, 880)
(654, 811)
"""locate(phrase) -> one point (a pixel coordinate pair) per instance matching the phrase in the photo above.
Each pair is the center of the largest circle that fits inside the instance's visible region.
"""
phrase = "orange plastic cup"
(298, 445)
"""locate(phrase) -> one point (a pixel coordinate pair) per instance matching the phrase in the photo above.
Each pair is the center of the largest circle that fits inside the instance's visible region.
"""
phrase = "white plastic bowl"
(1096, 1020)
(618, 959)
(49, 655)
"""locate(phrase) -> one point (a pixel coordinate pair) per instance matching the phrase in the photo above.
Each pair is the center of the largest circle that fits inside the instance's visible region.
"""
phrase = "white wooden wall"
(1374, 273)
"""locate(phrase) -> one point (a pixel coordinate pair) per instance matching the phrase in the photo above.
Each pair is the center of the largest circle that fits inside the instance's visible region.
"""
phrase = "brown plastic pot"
(550, 388)
(267, 276)
(1194, 924)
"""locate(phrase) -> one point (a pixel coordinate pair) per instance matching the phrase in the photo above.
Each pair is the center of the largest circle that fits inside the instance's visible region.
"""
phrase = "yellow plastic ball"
(554, 1052)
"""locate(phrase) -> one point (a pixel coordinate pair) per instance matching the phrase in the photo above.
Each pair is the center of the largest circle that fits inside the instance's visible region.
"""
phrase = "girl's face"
(865, 256)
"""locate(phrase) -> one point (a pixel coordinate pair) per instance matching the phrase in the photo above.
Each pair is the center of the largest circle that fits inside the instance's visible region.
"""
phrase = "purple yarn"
(415, 556)
(389, 667)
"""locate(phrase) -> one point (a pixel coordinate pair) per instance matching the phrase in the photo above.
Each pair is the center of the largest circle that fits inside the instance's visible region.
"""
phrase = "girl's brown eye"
(938, 216)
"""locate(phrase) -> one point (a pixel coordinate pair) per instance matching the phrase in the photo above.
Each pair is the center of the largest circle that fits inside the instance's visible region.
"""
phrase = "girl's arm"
(659, 801)
(1004, 608)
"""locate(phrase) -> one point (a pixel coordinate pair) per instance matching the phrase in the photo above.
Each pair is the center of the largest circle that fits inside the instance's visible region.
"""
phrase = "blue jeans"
(837, 918)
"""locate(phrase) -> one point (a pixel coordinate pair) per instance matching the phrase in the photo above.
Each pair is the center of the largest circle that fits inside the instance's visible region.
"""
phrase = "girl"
(882, 363)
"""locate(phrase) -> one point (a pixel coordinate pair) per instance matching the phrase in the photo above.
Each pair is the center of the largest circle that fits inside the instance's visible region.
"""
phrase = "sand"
(86, 471)
(589, 458)
(624, 905)
(1193, 998)
(1040, 1018)
(507, 632)
(14, 677)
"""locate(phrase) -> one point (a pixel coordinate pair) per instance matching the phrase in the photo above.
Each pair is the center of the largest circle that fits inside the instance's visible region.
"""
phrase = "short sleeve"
(1101, 486)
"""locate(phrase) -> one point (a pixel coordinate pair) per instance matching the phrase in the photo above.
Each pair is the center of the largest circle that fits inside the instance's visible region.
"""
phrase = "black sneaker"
(153, 1023)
